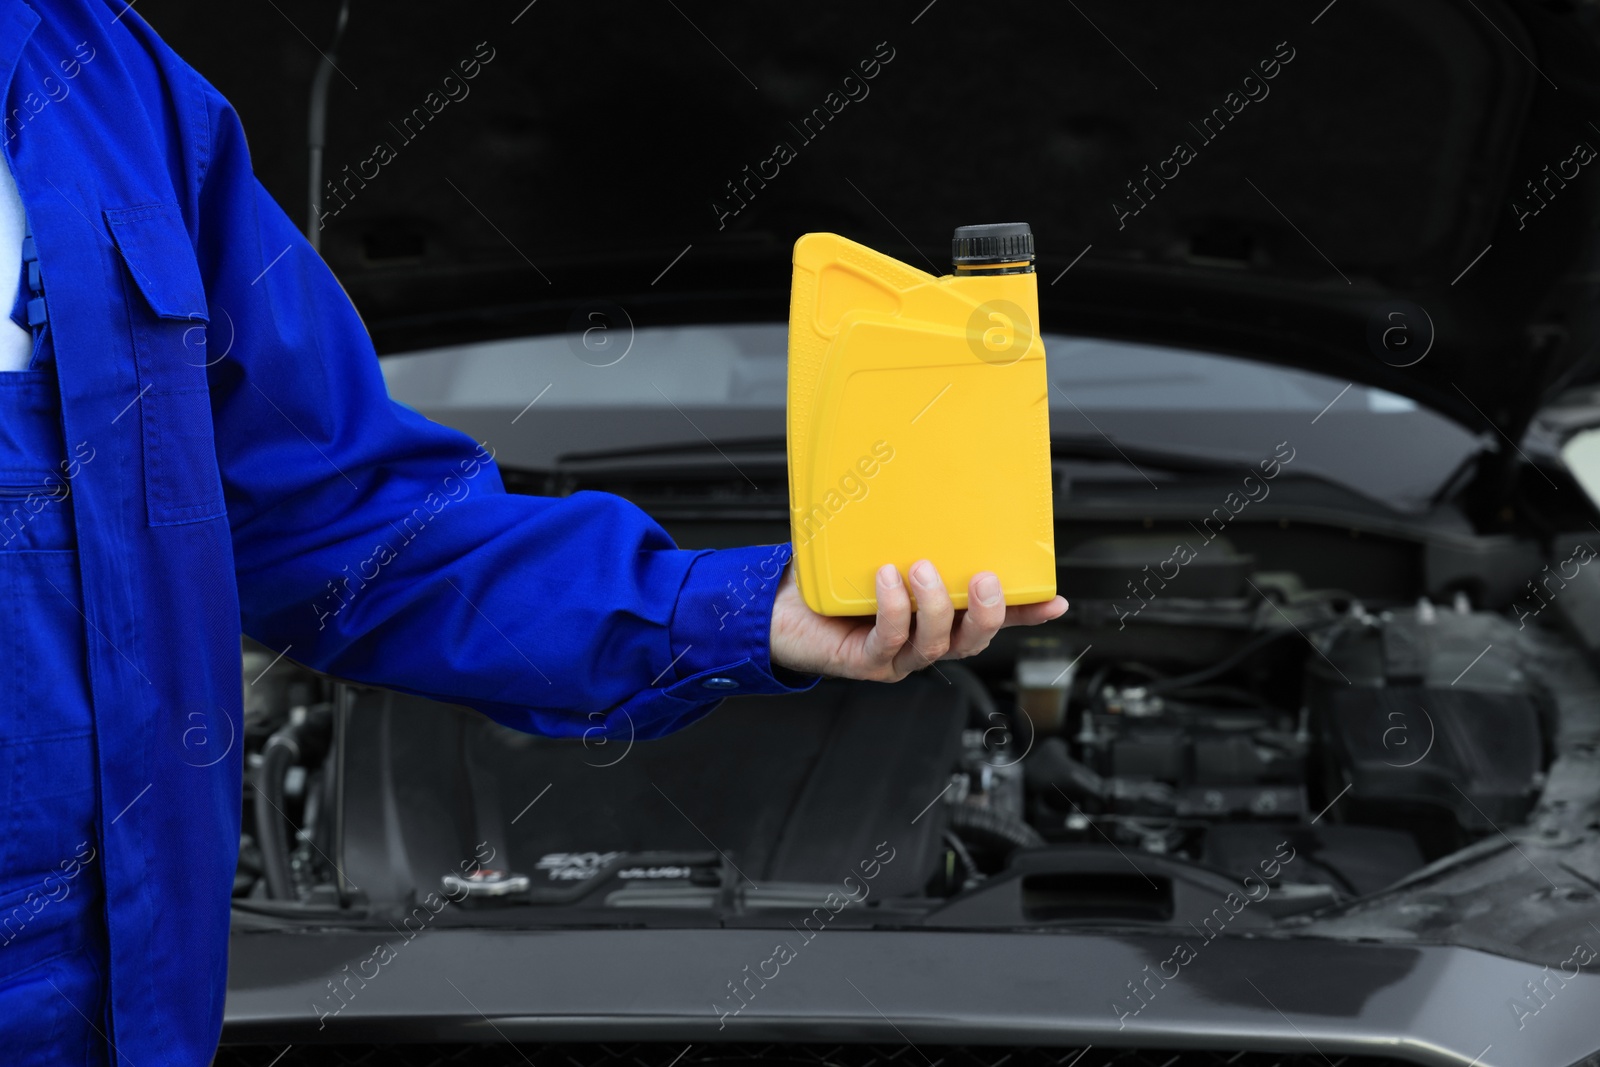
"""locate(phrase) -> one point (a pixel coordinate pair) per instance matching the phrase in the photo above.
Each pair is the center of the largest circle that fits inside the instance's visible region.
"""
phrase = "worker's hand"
(888, 648)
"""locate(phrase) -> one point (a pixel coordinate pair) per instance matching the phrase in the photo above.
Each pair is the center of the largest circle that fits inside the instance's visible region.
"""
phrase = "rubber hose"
(1238, 656)
(281, 753)
(992, 829)
(970, 684)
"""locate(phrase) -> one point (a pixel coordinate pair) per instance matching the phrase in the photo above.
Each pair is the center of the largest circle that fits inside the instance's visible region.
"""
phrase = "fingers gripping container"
(918, 420)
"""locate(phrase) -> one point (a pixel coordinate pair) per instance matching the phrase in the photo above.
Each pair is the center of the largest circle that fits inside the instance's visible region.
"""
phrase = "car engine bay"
(1315, 753)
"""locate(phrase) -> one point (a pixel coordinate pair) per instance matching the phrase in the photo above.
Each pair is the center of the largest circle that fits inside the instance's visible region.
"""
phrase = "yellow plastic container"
(918, 420)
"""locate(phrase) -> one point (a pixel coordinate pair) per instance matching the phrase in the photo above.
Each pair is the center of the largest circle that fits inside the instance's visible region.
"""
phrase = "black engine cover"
(792, 789)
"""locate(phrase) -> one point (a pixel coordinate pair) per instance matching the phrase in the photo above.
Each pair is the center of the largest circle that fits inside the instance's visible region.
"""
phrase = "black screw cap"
(990, 243)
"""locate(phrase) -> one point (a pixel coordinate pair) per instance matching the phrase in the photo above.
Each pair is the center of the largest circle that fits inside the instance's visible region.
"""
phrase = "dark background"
(612, 127)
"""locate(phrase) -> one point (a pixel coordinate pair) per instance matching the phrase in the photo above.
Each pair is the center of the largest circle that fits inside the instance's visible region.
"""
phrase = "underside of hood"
(1400, 194)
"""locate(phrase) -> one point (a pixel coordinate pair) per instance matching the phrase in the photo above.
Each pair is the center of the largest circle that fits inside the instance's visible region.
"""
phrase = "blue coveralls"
(52, 931)
(234, 460)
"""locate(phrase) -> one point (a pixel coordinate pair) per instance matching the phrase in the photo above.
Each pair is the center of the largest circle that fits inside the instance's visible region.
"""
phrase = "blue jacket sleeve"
(376, 545)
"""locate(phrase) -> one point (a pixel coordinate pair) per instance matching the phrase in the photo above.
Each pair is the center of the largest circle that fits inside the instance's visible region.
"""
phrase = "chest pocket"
(168, 320)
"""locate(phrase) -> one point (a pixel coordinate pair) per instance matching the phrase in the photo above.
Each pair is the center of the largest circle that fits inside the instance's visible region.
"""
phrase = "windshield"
(579, 393)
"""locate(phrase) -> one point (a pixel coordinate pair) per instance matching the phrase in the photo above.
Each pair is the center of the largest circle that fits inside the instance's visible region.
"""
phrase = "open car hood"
(1406, 201)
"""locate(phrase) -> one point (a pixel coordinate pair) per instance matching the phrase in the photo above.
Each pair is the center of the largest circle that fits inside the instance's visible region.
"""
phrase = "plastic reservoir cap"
(993, 242)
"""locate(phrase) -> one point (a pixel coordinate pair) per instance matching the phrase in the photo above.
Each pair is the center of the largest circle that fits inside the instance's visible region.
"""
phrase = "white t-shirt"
(16, 344)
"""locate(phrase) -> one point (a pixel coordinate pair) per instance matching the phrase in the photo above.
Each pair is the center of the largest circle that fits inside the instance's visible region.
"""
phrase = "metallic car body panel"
(1428, 1004)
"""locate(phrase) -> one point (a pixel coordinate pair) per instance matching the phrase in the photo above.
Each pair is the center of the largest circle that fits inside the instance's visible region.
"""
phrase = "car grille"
(714, 1055)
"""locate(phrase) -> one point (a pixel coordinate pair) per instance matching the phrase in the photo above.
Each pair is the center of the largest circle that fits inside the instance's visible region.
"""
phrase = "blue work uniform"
(52, 931)
(212, 403)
